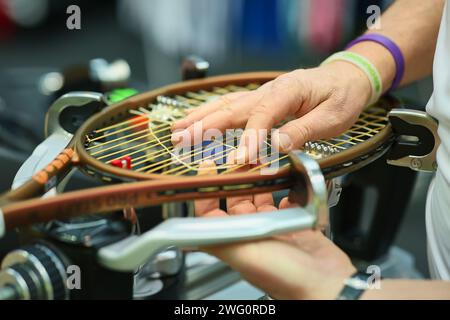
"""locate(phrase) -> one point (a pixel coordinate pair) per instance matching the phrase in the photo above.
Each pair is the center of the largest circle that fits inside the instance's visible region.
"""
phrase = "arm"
(410, 290)
(302, 265)
(323, 101)
(318, 271)
(308, 265)
(413, 25)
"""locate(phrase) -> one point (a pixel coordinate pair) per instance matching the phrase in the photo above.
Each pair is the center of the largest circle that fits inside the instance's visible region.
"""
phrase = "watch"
(354, 286)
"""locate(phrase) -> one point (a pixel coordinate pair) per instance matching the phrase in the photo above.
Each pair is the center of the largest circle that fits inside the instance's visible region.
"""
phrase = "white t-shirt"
(438, 199)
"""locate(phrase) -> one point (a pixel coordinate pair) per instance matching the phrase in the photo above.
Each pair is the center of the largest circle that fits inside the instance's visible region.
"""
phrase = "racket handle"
(309, 190)
(130, 253)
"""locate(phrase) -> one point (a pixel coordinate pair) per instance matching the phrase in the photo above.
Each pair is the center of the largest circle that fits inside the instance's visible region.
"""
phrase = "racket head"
(373, 144)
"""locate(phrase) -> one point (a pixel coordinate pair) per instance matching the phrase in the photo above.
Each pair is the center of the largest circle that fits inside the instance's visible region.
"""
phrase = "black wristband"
(354, 286)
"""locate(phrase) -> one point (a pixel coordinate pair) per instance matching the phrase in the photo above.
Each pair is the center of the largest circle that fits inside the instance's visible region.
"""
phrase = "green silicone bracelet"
(366, 66)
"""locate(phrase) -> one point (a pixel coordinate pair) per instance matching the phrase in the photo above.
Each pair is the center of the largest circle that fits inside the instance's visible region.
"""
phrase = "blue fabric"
(259, 24)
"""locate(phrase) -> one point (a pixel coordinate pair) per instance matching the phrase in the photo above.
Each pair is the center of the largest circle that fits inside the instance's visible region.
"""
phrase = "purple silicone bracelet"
(393, 49)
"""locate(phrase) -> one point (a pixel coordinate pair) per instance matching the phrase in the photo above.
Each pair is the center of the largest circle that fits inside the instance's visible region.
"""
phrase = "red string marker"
(123, 163)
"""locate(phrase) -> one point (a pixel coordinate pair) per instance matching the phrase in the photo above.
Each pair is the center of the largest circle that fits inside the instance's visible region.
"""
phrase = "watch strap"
(354, 286)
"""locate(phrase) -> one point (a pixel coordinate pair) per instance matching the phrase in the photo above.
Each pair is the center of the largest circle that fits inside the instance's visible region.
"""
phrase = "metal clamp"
(61, 122)
(416, 142)
(334, 191)
(310, 190)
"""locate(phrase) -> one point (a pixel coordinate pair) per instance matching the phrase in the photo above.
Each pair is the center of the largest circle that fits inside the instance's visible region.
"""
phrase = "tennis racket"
(128, 145)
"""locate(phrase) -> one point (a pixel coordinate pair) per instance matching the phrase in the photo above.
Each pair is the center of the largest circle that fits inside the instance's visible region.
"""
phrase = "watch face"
(87, 231)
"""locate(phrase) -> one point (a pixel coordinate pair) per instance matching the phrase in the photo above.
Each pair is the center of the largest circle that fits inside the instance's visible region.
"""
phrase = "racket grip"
(190, 233)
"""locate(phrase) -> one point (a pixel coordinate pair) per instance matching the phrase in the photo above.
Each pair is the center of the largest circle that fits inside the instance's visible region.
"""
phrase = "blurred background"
(153, 36)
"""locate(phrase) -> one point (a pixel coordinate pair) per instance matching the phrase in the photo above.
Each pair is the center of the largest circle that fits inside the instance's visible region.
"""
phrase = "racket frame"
(154, 188)
(371, 148)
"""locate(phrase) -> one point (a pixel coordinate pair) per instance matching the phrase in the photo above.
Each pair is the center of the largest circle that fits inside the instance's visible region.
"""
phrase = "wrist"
(353, 79)
(380, 57)
(324, 287)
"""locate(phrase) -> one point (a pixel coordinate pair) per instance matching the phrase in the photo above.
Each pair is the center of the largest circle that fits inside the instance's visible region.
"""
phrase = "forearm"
(409, 290)
(413, 25)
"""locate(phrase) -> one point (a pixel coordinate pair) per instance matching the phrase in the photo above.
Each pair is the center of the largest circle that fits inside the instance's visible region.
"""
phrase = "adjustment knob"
(36, 271)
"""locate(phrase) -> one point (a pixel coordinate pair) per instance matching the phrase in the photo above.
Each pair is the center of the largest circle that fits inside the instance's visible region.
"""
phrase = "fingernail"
(285, 142)
(241, 155)
(231, 157)
(177, 136)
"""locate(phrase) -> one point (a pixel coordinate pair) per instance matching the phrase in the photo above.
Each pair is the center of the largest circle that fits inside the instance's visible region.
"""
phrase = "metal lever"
(60, 124)
(417, 140)
(130, 253)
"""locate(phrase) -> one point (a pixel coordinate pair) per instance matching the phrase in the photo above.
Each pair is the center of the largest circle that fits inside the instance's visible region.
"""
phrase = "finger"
(231, 115)
(251, 142)
(256, 131)
(204, 206)
(285, 204)
(240, 204)
(205, 109)
(266, 208)
(320, 123)
(264, 202)
(276, 100)
(214, 214)
(187, 111)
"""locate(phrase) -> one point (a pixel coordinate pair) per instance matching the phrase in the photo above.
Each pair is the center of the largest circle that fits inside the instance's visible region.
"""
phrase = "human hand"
(323, 102)
(300, 265)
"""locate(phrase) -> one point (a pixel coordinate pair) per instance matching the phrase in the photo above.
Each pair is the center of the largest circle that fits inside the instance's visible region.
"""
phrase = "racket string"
(197, 150)
(146, 137)
(179, 100)
(131, 143)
